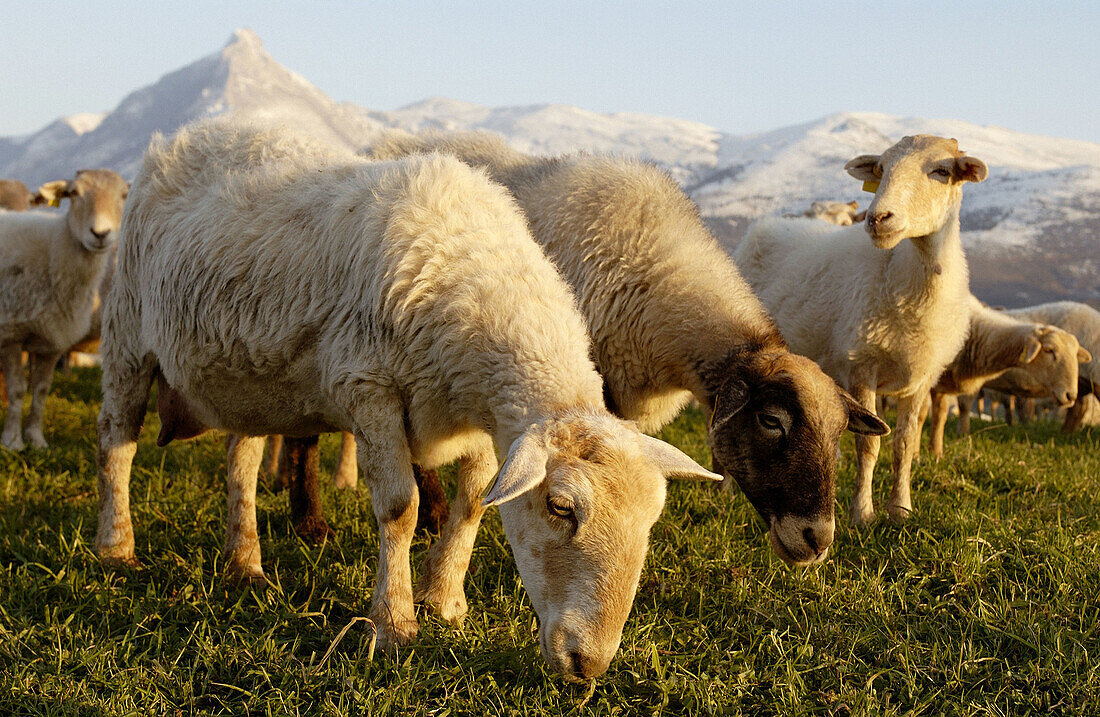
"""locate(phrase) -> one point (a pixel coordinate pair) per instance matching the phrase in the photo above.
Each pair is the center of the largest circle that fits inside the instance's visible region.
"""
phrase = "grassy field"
(987, 602)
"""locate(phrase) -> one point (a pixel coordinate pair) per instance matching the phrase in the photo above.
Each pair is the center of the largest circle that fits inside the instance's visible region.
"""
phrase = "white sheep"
(997, 343)
(880, 316)
(1083, 322)
(670, 318)
(843, 214)
(284, 287)
(50, 267)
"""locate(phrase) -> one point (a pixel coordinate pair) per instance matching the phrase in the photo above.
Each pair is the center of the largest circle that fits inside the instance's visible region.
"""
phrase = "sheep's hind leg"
(126, 384)
(384, 458)
(347, 470)
(242, 542)
(940, 403)
(12, 358)
(433, 512)
(41, 371)
(862, 509)
(441, 578)
(272, 463)
(302, 461)
(906, 444)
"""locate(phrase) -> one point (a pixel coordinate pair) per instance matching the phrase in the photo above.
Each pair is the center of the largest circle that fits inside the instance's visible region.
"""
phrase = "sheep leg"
(441, 578)
(962, 428)
(387, 467)
(347, 472)
(126, 384)
(906, 444)
(302, 459)
(939, 422)
(242, 543)
(1010, 410)
(862, 510)
(12, 359)
(433, 511)
(1075, 416)
(270, 465)
(41, 371)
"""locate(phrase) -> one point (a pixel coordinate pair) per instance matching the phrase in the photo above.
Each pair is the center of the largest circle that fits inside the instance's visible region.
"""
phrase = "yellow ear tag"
(55, 202)
(871, 187)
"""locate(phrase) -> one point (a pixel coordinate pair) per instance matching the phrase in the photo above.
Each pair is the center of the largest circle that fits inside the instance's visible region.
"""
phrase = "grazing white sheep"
(284, 287)
(843, 214)
(671, 318)
(880, 316)
(14, 195)
(50, 266)
(996, 343)
(1083, 322)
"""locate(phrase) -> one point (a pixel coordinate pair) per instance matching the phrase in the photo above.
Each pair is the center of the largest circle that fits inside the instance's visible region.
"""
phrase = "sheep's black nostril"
(811, 539)
(100, 235)
(578, 663)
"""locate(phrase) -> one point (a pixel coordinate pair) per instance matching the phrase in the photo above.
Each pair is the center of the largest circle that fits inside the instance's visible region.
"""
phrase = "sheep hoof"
(250, 577)
(128, 562)
(346, 480)
(393, 631)
(450, 607)
(861, 516)
(37, 440)
(12, 443)
(313, 529)
(899, 514)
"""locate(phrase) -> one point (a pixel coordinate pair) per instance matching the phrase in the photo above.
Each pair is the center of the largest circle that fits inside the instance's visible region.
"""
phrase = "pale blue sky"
(739, 66)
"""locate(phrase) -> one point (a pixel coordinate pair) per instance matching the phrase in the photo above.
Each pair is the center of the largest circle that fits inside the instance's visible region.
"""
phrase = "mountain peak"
(244, 37)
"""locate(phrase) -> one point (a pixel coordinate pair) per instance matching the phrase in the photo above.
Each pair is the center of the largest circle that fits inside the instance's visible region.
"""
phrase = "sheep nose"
(585, 666)
(1068, 398)
(874, 220)
(100, 235)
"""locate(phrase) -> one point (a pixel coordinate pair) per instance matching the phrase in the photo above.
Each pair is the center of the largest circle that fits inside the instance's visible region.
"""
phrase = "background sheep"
(1083, 322)
(50, 266)
(280, 286)
(840, 213)
(996, 343)
(14, 195)
(884, 316)
(671, 318)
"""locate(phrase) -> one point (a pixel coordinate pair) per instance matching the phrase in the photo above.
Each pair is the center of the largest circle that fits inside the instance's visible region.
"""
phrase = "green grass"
(986, 602)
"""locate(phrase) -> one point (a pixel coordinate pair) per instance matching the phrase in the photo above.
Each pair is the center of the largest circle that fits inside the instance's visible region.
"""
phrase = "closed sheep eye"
(560, 507)
(941, 172)
(769, 422)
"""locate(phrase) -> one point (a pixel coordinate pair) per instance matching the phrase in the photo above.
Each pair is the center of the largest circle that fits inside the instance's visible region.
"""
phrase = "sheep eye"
(559, 507)
(941, 172)
(769, 422)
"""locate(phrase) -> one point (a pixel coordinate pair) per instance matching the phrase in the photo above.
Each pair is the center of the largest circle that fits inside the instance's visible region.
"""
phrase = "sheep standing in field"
(997, 343)
(283, 287)
(50, 266)
(843, 214)
(670, 318)
(14, 195)
(1083, 322)
(884, 316)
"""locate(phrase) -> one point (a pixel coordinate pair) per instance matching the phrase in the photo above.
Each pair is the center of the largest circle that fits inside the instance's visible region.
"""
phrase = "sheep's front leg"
(906, 444)
(862, 510)
(12, 358)
(387, 467)
(444, 570)
(347, 472)
(242, 542)
(940, 402)
(41, 370)
(965, 402)
(126, 384)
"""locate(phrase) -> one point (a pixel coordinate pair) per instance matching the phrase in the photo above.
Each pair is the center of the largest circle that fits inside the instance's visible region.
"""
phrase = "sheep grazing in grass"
(279, 286)
(670, 318)
(1083, 322)
(50, 267)
(996, 343)
(842, 214)
(14, 195)
(880, 316)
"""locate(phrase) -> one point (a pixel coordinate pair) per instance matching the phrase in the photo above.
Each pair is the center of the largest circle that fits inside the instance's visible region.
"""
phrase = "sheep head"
(96, 198)
(919, 187)
(578, 495)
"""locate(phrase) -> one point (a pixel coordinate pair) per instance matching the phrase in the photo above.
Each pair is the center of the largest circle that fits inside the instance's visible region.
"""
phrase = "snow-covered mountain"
(1032, 229)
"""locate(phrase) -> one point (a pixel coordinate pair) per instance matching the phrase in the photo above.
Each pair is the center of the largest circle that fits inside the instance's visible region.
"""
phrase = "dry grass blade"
(340, 636)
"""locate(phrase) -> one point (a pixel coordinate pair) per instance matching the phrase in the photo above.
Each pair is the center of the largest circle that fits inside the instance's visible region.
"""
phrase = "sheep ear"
(1083, 355)
(860, 420)
(672, 462)
(51, 193)
(970, 169)
(731, 398)
(1031, 350)
(865, 167)
(853, 205)
(524, 469)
